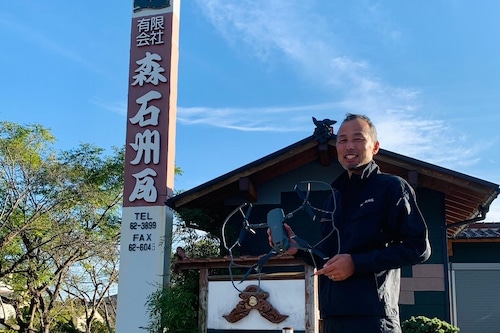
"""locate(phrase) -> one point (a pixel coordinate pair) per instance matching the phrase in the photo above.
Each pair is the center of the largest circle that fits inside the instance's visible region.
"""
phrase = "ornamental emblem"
(254, 298)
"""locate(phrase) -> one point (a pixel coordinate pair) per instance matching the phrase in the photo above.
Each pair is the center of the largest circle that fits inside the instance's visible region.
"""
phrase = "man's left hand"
(338, 268)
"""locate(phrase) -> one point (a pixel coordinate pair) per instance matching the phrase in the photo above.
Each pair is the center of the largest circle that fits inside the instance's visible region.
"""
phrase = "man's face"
(355, 146)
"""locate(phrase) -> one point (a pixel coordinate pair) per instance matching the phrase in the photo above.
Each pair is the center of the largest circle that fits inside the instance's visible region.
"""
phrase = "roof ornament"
(324, 129)
(150, 4)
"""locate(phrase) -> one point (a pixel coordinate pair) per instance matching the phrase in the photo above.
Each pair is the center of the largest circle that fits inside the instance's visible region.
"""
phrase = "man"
(377, 228)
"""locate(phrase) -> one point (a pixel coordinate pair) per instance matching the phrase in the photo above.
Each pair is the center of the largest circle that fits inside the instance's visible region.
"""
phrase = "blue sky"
(253, 73)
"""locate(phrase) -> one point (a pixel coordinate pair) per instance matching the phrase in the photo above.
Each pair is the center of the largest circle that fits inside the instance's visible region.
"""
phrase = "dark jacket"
(378, 222)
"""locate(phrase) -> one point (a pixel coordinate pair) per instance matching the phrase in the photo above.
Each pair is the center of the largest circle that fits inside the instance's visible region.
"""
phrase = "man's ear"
(376, 147)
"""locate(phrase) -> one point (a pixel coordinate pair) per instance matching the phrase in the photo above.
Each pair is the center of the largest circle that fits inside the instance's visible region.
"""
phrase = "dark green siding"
(432, 205)
(487, 252)
(431, 303)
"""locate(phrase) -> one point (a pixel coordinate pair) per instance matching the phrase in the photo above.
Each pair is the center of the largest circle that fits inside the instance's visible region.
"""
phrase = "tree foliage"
(174, 309)
(59, 217)
(422, 324)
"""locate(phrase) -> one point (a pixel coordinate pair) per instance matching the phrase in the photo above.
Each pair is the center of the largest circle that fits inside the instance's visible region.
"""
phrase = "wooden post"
(203, 300)
(311, 300)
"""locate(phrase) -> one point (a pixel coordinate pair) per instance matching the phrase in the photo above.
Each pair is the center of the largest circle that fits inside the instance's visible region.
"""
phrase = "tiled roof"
(480, 230)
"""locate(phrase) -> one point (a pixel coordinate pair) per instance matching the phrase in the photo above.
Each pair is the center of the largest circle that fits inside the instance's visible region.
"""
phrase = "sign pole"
(146, 230)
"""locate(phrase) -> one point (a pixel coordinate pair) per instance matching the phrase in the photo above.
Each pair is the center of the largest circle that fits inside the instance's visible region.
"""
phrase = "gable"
(464, 195)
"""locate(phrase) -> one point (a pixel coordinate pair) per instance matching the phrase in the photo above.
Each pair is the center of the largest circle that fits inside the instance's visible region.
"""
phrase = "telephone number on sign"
(143, 225)
(141, 247)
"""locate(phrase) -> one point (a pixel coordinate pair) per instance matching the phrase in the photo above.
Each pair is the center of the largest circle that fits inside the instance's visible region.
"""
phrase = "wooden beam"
(247, 188)
(217, 262)
(413, 178)
(324, 154)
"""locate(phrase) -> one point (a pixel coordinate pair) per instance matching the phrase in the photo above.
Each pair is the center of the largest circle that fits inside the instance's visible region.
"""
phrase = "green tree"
(58, 212)
(174, 309)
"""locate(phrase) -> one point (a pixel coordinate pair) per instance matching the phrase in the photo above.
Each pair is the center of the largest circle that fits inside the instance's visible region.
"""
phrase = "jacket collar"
(370, 169)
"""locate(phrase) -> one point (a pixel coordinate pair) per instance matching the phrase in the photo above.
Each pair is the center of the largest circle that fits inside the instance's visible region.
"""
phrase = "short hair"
(353, 116)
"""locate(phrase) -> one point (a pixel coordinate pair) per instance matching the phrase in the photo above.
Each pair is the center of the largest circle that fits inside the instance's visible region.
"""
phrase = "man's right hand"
(291, 235)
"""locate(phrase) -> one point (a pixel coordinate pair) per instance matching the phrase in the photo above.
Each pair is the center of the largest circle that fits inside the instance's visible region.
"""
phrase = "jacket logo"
(366, 201)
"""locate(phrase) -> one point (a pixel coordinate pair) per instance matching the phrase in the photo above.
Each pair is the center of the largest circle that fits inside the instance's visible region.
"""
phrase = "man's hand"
(293, 248)
(338, 268)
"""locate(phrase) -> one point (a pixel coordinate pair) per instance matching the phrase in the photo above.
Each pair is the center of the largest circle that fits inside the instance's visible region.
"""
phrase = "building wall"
(424, 288)
(476, 252)
(286, 296)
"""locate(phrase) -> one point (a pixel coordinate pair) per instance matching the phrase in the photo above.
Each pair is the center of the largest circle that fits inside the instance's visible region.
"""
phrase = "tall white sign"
(149, 160)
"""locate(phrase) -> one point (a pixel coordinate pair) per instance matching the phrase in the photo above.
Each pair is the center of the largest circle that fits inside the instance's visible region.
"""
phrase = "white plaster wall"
(286, 296)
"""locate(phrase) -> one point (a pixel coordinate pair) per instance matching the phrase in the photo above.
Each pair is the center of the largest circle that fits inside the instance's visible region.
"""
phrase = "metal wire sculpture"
(281, 240)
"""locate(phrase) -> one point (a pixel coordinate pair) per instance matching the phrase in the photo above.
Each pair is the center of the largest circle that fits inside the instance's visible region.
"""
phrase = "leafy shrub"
(422, 324)
(174, 309)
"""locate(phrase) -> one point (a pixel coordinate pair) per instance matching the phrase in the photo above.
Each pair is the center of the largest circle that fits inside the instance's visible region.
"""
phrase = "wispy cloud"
(300, 32)
(309, 40)
(274, 28)
(255, 119)
(115, 107)
(44, 41)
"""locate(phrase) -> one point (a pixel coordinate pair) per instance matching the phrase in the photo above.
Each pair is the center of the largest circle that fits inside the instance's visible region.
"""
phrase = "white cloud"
(255, 119)
(494, 213)
(270, 29)
(49, 44)
(115, 107)
(304, 36)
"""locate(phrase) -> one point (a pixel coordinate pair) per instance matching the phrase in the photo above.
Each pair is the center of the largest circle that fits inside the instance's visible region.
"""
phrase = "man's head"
(357, 142)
